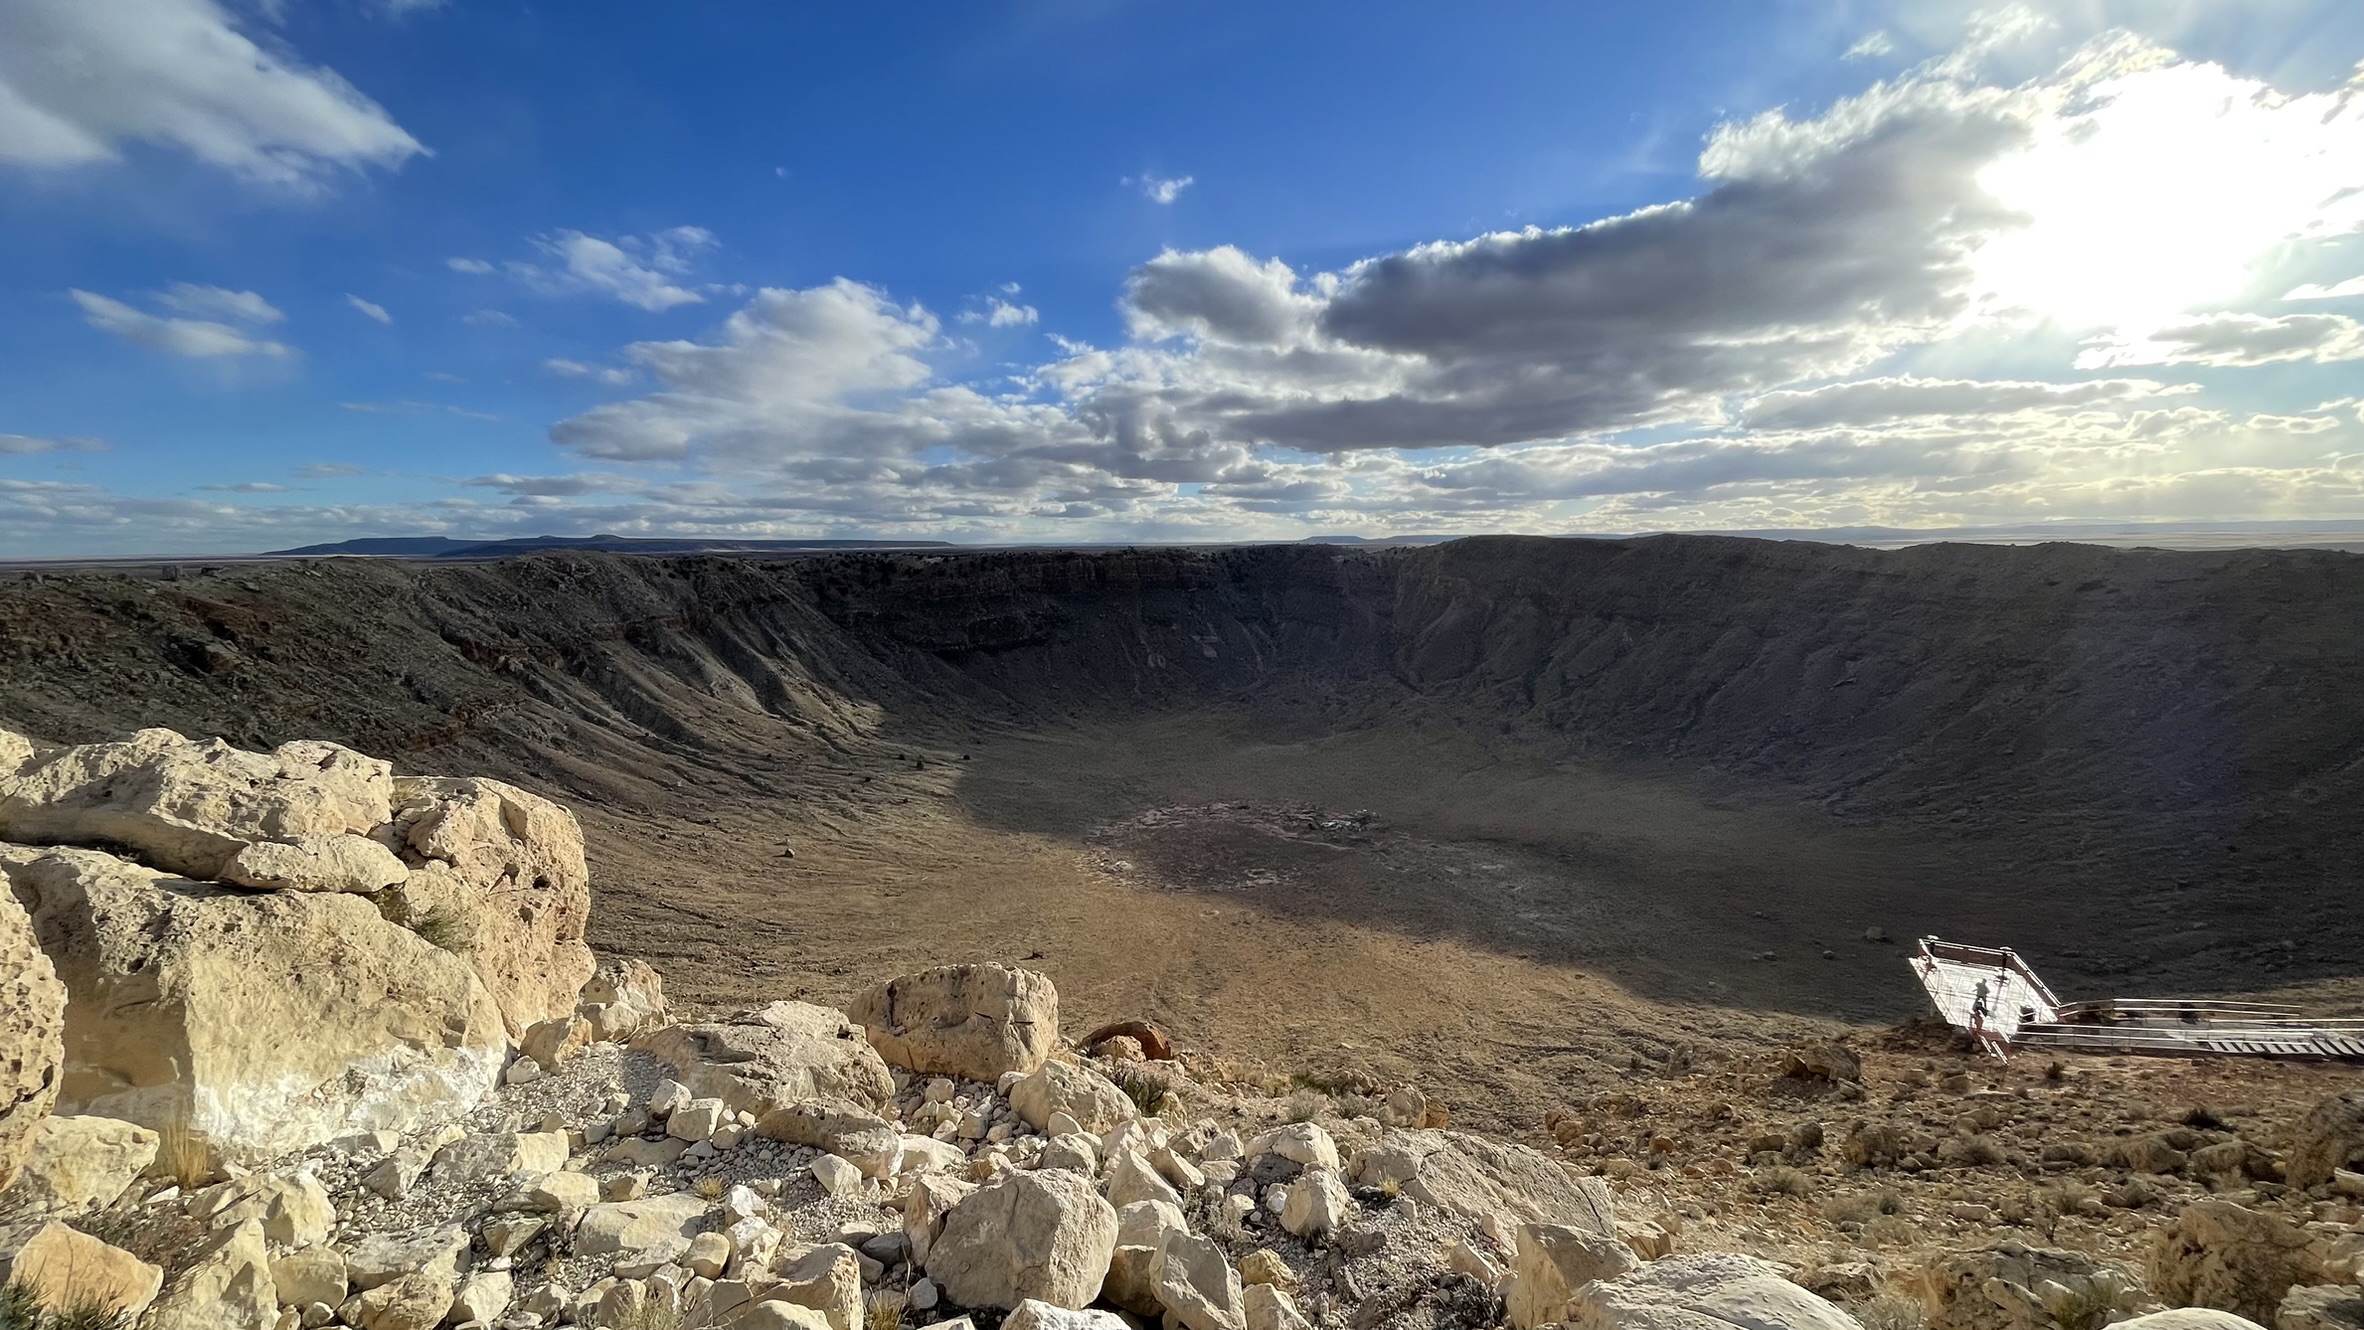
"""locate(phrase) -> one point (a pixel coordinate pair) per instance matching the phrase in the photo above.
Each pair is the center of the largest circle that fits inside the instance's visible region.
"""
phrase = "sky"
(283, 271)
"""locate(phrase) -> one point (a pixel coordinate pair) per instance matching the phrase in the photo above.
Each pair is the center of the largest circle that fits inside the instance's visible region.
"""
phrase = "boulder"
(553, 1041)
(622, 998)
(563, 1193)
(414, 1302)
(978, 1022)
(482, 1297)
(382, 1258)
(67, 1269)
(225, 1285)
(187, 806)
(316, 863)
(2329, 1137)
(1033, 1315)
(775, 1056)
(506, 869)
(1552, 1262)
(1704, 1291)
(1197, 1286)
(315, 1274)
(1142, 1230)
(2189, 1318)
(1474, 1177)
(2322, 1307)
(1821, 1062)
(1305, 1144)
(294, 1210)
(1044, 1235)
(776, 1315)
(869, 1142)
(931, 1197)
(827, 1279)
(245, 1025)
(656, 1228)
(1317, 1204)
(32, 1029)
(81, 1161)
(1131, 1179)
(2010, 1286)
(2218, 1254)
(1083, 1094)
(1269, 1308)
(483, 1156)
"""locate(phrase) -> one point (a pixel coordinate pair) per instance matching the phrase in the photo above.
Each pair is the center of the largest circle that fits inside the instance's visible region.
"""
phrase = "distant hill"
(444, 547)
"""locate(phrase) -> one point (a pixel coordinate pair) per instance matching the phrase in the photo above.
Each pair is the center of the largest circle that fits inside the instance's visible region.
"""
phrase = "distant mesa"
(445, 547)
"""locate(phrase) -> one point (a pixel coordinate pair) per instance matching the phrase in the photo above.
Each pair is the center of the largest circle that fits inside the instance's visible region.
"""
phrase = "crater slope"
(1518, 811)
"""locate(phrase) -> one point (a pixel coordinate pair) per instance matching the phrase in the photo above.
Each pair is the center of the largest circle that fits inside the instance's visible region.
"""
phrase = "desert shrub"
(1306, 1105)
(21, 1309)
(2203, 1117)
(656, 1315)
(708, 1189)
(1862, 1207)
(883, 1310)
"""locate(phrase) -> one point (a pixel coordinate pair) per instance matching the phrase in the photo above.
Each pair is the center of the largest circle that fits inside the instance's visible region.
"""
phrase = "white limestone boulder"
(1044, 1235)
(248, 1025)
(32, 1032)
(977, 1022)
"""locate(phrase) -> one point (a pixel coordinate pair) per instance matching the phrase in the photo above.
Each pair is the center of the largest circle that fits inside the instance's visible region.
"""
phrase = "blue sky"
(1114, 269)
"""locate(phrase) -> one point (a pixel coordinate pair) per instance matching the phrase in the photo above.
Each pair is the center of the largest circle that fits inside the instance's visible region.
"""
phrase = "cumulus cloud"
(179, 336)
(2234, 340)
(1160, 189)
(1000, 313)
(369, 309)
(78, 80)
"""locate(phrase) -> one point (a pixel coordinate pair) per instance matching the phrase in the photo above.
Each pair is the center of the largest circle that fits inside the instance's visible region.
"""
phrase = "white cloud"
(1000, 313)
(2233, 340)
(214, 302)
(475, 267)
(1884, 400)
(369, 309)
(174, 336)
(2354, 286)
(575, 369)
(25, 445)
(1871, 46)
(639, 271)
(79, 78)
(249, 487)
(489, 318)
(1160, 189)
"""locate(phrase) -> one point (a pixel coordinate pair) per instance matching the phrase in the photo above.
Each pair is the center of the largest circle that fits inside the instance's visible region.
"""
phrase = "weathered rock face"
(1025, 1235)
(2010, 1286)
(2323, 1307)
(2331, 1136)
(64, 1268)
(1698, 1291)
(316, 863)
(190, 806)
(2221, 1255)
(1555, 1260)
(261, 1023)
(32, 1030)
(507, 868)
(77, 1162)
(226, 1285)
(975, 1021)
(1081, 1093)
(622, 998)
(1475, 1177)
(773, 1057)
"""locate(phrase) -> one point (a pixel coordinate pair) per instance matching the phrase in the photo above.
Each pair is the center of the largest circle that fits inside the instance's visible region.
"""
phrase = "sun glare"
(2161, 192)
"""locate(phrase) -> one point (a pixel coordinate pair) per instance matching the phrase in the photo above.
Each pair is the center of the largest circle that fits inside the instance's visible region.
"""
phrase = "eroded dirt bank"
(1602, 778)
